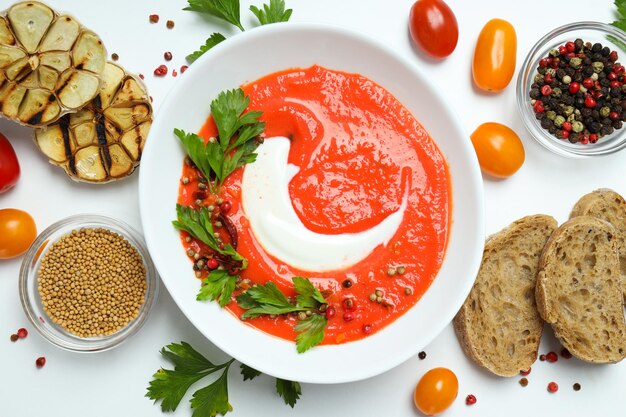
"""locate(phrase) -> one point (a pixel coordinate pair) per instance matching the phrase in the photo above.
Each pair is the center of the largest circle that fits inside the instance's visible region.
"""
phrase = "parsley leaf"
(311, 332)
(308, 297)
(171, 385)
(219, 285)
(185, 358)
(236, 142)
(274, 13)
(227, 10)
(289, 390)
(265, 299)
(208, 44)
(268, 299)
(212, 399)
(198, 224)
(620, 23)
(248, 372)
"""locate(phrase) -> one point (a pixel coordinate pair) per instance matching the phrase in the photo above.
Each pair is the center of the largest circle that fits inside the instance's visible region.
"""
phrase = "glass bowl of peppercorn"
(87, 283)
(571, 90)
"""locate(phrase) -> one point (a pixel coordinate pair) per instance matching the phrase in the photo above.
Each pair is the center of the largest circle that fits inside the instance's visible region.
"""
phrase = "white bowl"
(247, 57)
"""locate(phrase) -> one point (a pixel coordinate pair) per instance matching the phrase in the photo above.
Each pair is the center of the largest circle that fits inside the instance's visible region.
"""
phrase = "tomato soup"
(360, 153)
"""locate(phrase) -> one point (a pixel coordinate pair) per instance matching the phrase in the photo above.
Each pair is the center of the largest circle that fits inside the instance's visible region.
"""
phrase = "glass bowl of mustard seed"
(87, 283)
(571, 90)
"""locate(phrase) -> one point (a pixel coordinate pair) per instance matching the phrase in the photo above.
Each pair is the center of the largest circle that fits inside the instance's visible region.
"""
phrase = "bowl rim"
(474, 175)
(50, 332)
(544, 138)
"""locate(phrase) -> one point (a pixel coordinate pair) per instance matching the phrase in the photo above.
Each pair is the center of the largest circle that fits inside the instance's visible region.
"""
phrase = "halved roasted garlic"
(49, 64)
(104, 140)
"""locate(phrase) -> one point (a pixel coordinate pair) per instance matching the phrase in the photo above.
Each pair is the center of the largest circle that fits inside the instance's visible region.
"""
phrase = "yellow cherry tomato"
(499, 150)
(17, 232)
(494, 56)
(436, 391)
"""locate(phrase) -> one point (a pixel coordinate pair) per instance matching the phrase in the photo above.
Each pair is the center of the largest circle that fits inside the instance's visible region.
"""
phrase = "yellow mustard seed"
(92, 282)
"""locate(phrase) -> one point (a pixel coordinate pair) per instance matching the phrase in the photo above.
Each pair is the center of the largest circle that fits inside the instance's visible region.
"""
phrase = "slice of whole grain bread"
(498, 326)
(609, 206)
(579, 290)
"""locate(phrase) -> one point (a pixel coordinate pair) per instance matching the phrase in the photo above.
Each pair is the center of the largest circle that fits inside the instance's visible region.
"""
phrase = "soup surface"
(358, 158)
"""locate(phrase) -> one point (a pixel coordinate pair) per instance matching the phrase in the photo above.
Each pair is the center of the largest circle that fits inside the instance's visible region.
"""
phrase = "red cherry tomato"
(433, 27)
(436, 391)
(499, 150)
(17, 232)
(9, 167)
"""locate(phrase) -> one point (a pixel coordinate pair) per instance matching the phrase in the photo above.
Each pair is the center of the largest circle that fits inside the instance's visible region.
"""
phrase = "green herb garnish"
(289, 390)
(269, 300)
(190, 367)
(170, 386)
(208, 44)
(274, 13)
(197, 222)
(248, 372)
(227, 10)
(219, 284)
(237, 139)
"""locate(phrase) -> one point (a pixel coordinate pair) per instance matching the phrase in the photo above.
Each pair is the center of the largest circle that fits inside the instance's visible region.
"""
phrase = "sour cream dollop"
(277, 227)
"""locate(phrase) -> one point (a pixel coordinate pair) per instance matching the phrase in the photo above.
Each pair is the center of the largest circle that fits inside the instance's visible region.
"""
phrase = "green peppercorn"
(594, 76)
(575, 62)
(567, 79)
(554, 53)
(551, 114)
(605, 111)
(556, 92)
(538, 78)
(571, 118)
(568, 110)
(597, 67)
(578, 127)
(559, 120)
(551, 71)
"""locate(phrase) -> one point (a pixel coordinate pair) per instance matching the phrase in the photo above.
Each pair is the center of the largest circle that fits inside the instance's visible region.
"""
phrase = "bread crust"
(578, 290)
(512, 301)
(609, 206)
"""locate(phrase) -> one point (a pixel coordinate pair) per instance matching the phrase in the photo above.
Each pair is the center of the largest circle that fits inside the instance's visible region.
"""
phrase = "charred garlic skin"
(50, 65)
(103, 141)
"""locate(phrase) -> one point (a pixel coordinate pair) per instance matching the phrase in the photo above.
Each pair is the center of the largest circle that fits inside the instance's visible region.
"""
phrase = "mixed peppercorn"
(578, 93)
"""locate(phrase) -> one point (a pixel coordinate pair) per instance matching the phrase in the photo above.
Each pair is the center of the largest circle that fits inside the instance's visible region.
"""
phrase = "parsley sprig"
(190, 367)
(213, 40)
(229, 11)
(170, 385)
(273, 13)
(238, 134)
(267, 299)
(220, 283)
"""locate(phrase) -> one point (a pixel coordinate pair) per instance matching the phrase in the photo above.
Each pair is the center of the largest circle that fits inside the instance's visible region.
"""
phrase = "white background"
(114, 382)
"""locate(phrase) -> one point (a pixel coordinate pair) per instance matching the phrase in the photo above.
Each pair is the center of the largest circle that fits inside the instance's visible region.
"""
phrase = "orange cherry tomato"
(494, 57)
(499, 150)
(17, 232)
(433, 27)
(436, 391)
